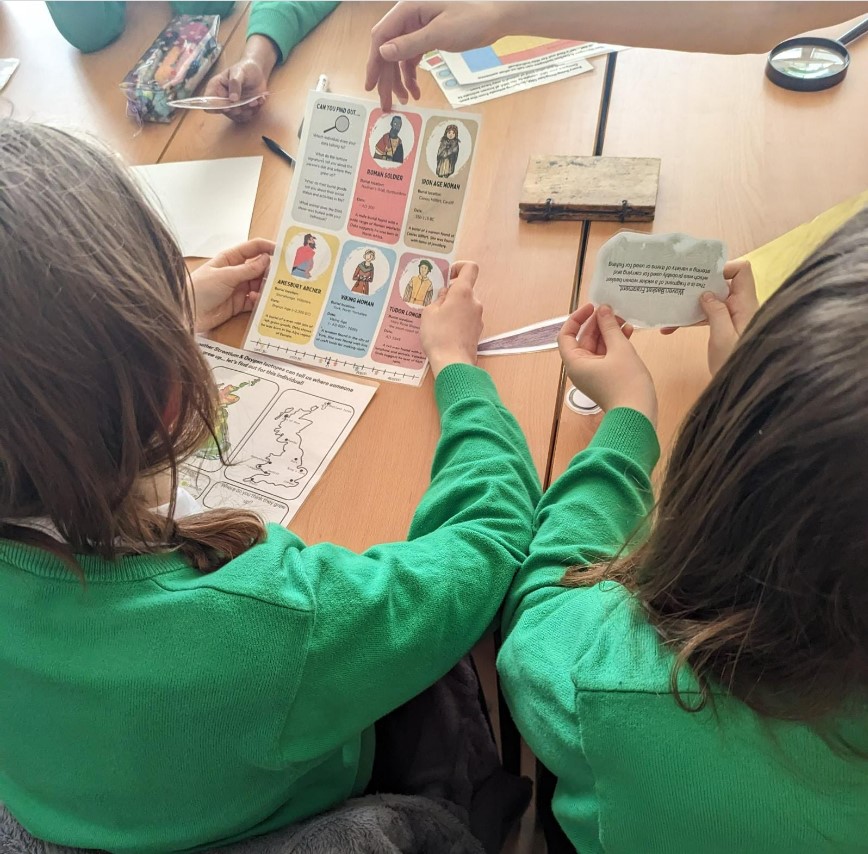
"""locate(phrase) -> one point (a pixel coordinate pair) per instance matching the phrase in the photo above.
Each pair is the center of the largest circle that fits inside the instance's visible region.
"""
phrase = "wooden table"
(56, 83)
(742, 160)
(528, 269)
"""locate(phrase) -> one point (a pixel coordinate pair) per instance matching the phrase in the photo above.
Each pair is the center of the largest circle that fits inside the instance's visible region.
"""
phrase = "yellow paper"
(777, 260)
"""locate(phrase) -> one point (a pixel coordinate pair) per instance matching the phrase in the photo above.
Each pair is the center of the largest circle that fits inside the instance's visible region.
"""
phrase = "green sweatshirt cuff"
(459, 382)
(286, 23)
(203, 7)
(631, 433)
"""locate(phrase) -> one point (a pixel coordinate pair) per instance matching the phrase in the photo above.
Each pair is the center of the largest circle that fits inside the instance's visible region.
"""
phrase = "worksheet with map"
(367, 237)
(278, 428)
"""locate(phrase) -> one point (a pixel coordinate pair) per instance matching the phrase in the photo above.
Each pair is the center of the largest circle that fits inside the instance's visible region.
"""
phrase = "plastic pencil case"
(172, 67)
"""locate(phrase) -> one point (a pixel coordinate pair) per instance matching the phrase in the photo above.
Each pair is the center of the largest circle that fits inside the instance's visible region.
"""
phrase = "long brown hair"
(756, 567)
(101, 381)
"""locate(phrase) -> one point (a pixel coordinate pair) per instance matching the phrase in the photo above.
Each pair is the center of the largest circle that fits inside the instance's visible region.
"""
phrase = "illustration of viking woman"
(364, 274)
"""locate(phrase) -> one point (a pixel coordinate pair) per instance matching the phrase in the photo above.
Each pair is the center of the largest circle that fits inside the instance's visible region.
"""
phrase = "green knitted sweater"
(156, 709)
(587, 679)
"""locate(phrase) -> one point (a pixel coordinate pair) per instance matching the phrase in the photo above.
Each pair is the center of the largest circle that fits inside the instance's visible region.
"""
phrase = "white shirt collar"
(185, 505)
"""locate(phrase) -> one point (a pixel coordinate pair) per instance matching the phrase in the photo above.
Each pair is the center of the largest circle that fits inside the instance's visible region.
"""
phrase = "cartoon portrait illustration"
(391, 140)
(420, 289)
(364, 273)
(218, 446)
(364, 269)
(389, 146)
(448, 147)
(307, 255)
(447, 153)
(302, 263)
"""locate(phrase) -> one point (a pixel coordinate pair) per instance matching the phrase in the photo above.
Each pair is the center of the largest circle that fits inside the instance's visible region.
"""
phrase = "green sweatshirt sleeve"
(391, 621)
(89, 26)
(587, 514)
(203, 7)
(286, 22)
(590, 511)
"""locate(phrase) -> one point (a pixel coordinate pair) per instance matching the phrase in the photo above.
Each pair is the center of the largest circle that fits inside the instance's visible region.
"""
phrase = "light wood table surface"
(742, 160)
(56, 83)
(528, 270)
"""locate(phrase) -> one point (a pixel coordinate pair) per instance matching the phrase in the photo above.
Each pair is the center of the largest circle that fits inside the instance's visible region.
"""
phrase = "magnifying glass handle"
(851, 35)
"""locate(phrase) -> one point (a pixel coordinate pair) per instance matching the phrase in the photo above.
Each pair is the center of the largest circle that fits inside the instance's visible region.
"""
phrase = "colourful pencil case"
(172, 67)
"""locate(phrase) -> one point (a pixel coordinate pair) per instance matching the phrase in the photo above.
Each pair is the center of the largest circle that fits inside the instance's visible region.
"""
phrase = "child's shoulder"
(625, 654)
(267, 572)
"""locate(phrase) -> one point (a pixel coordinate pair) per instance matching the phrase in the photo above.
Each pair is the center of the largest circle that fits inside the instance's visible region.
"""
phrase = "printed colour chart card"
(367, 237)
(277, 426)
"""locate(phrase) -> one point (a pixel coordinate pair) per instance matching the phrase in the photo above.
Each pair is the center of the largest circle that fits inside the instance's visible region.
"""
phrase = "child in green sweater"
(173, 678)
(696, 678)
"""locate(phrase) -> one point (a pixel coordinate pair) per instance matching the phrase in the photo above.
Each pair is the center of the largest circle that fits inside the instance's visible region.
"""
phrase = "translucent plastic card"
(214, 102)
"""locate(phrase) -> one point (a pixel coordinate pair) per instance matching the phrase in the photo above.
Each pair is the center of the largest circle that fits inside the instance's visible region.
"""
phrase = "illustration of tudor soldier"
(420, 289)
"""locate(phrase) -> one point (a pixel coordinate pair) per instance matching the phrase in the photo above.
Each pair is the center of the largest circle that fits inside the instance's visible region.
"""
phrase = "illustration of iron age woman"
(447, 153)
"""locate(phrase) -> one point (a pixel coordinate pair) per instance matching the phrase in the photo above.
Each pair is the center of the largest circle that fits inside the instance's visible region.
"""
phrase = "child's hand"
(452, 324)
(230, 282)
(728, 318)
(603, 363)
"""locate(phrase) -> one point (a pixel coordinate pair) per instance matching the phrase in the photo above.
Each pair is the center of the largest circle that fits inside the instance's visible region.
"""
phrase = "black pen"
(279, 151)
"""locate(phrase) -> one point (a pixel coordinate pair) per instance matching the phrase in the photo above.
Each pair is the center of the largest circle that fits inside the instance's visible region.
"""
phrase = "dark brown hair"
(101, 381)
(756, 568)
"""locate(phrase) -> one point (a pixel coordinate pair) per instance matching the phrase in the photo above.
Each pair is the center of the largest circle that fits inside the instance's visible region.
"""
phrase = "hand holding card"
(656, 280)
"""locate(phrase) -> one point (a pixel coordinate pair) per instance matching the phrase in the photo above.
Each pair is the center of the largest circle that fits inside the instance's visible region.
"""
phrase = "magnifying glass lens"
(808, 62)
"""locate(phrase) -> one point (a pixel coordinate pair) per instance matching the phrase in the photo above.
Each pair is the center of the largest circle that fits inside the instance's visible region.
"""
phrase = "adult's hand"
(411, 28)
(246, 78)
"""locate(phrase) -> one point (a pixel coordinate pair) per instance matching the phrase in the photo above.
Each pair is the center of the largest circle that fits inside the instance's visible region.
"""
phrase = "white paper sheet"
(7, 69)
(655, 280)
(278, 426)
(207, 204)
(476, 93)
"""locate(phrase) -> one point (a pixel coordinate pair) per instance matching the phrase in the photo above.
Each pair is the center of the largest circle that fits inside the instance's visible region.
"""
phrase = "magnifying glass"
(341, 125)
(812, 63)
